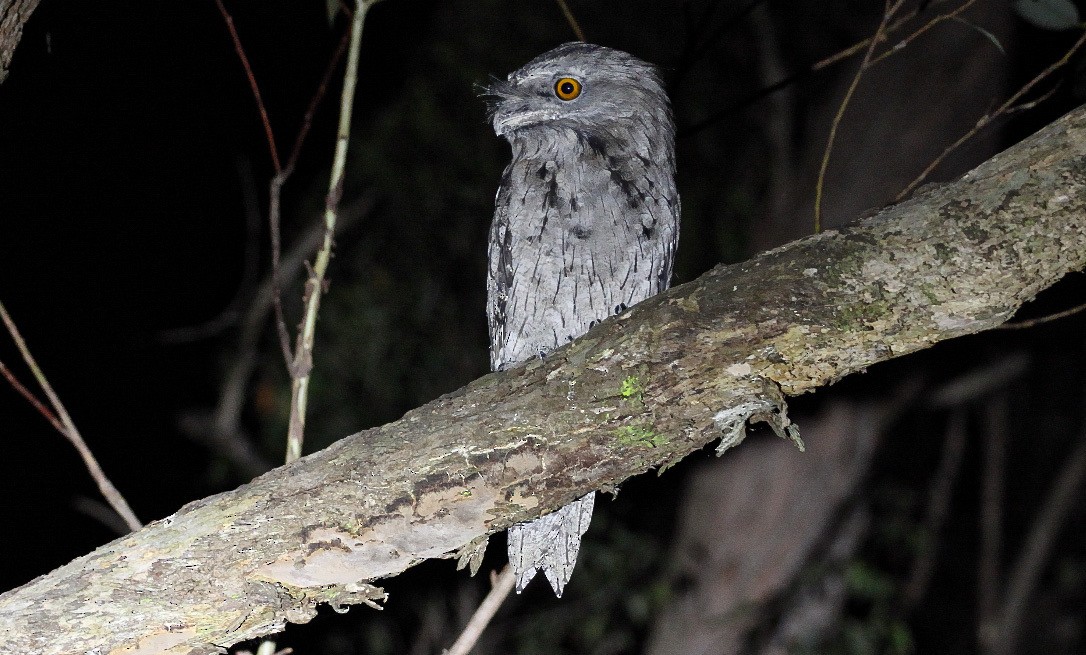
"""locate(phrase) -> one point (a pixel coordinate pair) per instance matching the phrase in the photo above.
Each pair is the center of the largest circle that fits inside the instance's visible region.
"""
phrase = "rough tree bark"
(13, 14)
(640, 391)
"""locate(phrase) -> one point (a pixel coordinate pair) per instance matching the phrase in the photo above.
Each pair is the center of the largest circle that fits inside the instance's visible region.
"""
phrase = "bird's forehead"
(599, 68)
(590, 64)
(546, 71)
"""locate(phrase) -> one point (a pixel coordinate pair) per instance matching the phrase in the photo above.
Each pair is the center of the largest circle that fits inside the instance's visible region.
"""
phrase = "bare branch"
(275, 189)
(314, 286)
(1041, 320)
(30, 398)
(68, 429)
(571, 19)
(1008, 106)
(939, 18)
(222, 429)
(268, 133)
(501, 585)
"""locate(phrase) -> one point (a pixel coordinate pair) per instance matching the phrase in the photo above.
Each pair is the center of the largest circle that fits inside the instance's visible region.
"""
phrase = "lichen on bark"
(710, 355)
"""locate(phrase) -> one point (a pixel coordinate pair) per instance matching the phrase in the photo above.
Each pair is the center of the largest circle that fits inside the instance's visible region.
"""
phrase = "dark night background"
(131, 152)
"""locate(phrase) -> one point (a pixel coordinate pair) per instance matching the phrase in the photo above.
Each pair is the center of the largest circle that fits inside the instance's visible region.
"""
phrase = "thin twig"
(987, 118)
(989, 562)
(274, 194)
(794, 77)
(276, 188)
(1040, 320)
(282, 173)
(31, 398)
(866, 43)
(880, 34)
(298, 361)
(252, 83)
(222, 430)
(314, 286)
(322, 89)
(571, 20)
(1027, 570)
(68, 429)
(902, 44)
(1026, 106)
(500, 588)
(292, 263)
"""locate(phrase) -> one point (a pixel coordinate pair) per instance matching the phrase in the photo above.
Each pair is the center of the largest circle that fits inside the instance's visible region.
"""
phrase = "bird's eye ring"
(567, 88)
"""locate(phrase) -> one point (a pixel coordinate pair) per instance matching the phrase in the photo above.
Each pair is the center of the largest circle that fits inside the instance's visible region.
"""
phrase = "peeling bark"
(639, 391)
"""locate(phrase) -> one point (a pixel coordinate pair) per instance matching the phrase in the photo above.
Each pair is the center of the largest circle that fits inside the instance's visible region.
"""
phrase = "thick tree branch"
(639, 391)
(13, 15)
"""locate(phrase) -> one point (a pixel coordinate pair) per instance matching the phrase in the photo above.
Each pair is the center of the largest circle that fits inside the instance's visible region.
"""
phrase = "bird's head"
(589, 89)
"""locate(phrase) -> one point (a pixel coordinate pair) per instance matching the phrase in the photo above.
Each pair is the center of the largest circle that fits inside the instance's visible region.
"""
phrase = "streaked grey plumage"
(585, 225)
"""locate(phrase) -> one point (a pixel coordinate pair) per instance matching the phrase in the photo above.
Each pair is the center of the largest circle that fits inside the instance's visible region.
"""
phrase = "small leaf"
(985, 33)
(1052, 15)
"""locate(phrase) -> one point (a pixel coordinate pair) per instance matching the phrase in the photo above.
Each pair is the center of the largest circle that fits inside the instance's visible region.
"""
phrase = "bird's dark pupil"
(567, 88)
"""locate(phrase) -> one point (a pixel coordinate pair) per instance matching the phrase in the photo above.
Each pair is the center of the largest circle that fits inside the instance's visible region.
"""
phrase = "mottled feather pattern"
(586, 223)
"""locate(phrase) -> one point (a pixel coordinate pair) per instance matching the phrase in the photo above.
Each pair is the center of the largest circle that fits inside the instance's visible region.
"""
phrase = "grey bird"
(586, 223)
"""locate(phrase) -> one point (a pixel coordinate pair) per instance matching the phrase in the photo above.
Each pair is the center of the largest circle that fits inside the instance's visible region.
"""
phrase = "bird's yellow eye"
(567, 88)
